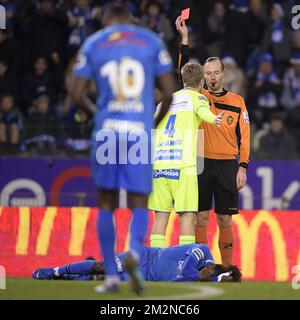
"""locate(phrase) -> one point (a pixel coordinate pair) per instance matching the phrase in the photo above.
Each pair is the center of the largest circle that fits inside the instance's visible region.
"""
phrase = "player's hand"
(241, 178)
(182, 29)
(218, 120)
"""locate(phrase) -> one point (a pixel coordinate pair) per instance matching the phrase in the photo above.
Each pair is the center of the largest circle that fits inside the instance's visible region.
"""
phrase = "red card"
(185, 14)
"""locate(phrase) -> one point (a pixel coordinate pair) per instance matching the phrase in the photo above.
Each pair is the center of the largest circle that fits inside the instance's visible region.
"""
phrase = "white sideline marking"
(200, 292)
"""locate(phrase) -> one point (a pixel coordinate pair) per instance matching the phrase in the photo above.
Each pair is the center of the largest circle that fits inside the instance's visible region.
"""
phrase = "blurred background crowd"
(255, 38)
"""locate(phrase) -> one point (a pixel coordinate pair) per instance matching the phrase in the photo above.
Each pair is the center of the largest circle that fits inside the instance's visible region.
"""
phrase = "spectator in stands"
(257, 20)
(157, 21)
(97, 14)
(277, 143)
(41, 80)
(43, 128)
(290, 98)
(46, 31)
(235, 39)
(131, 6)
(80, 22)
(294, 125)
(291, 84)
(215, 30)
(8, 49)
(142, 9)
(8, 79)
(277, 39)
(78, 130)
(264, 90)
(10, 125)
(151, 17)
(234, 79)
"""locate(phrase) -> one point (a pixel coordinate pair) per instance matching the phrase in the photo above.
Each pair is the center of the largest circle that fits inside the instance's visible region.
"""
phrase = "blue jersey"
(177, 263)
(124, 61)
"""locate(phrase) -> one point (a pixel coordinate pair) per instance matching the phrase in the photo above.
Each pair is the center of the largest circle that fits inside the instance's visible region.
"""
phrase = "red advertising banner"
(267, 243)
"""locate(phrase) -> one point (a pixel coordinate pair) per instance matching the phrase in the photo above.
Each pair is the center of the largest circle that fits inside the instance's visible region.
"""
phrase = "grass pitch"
(29, 289)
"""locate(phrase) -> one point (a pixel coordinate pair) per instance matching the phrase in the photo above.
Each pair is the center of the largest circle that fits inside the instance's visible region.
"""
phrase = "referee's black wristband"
(184, 50)
(243, 165)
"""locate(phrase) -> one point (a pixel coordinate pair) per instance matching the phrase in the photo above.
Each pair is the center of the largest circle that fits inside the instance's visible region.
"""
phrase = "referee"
(226, 153)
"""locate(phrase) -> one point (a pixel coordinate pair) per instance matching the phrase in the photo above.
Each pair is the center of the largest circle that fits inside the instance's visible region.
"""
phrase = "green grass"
(81, 290)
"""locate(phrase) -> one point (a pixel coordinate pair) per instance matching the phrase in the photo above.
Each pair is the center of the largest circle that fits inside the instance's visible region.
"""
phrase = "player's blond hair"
(192, 74)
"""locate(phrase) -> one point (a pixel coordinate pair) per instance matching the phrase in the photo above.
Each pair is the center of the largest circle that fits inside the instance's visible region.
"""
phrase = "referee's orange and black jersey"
(233, 138)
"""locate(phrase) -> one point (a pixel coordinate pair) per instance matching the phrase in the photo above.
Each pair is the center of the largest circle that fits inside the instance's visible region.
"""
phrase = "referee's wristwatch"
(243, 165)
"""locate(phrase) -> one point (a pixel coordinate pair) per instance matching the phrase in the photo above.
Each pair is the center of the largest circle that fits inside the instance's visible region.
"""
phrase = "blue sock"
(78, 277)
(82, 267)
(106, 235)
(138, 229)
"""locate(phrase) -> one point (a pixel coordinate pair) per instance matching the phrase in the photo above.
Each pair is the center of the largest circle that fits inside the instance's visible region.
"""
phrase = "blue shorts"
(136, 178)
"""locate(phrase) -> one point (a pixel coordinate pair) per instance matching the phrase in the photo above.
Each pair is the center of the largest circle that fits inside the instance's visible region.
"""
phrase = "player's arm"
(190, 270)
(83, 73)
(183, 56)
(244, 129)
(78, 92)
(203, 111)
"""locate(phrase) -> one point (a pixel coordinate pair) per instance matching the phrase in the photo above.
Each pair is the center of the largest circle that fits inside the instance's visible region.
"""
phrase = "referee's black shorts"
(218, 182)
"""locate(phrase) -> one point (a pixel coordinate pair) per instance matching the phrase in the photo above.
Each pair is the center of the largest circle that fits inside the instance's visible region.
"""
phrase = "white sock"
(111, 280)
(135, 255)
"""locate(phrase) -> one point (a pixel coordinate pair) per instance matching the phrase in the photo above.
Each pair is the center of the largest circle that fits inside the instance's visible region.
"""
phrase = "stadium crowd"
(255, 38)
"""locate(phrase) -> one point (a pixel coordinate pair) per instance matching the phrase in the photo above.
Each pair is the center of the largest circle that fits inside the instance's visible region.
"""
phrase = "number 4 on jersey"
(170, 125)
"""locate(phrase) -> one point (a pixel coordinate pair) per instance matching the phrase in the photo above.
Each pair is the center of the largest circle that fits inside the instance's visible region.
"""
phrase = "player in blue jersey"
(189, 262)
(124, 60)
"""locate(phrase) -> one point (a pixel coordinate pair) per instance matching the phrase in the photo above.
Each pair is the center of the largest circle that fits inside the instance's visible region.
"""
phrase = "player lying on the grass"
(190, 262)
